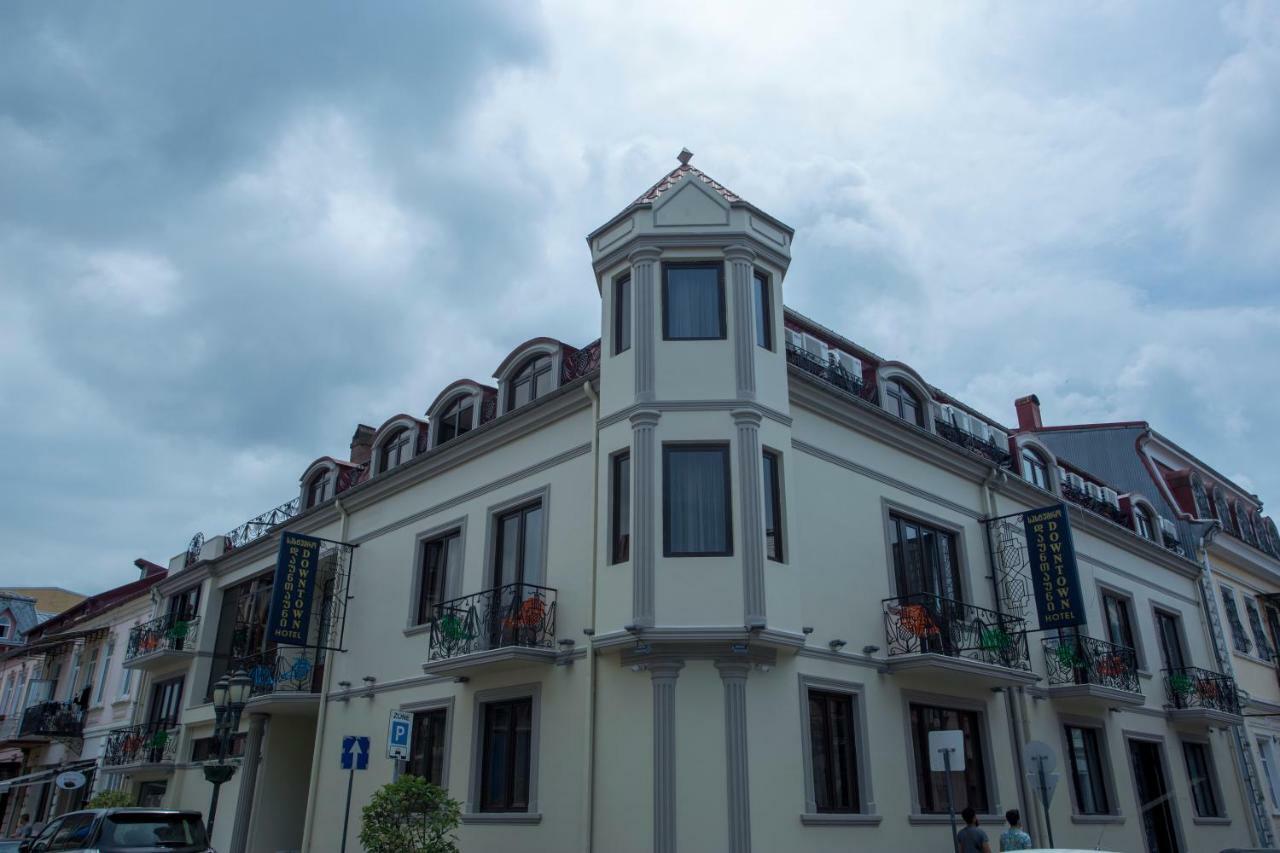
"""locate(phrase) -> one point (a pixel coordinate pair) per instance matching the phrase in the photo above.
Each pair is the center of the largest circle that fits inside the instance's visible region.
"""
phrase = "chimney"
(362, 444)
(1028, 409)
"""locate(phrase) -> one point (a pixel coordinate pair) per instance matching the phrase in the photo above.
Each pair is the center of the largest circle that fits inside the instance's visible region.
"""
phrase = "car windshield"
(143, 830)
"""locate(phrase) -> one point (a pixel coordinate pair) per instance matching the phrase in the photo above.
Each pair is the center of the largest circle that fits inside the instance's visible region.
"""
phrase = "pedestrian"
(1014, 838)
(24, 825)
(971, 839)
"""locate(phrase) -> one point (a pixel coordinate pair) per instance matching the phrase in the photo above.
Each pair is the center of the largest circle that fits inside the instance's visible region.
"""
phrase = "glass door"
(513, 603)
(1154, 800)
(1170, 640)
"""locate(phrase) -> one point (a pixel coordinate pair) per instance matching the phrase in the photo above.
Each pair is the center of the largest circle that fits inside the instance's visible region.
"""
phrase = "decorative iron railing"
(1192, 687)
(193, 550)
(258, 526)
(830, 372)
(169, 633)
(930, 624)
(983, 447)
(1085, 660)
(578, 363)
(52, 719)
(350, 476)
(148, 743)
(1101, 507)
(285, 669)
(517, 614)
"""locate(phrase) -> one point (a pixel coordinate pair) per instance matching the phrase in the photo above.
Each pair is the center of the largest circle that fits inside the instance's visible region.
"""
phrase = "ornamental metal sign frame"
(1013, 570)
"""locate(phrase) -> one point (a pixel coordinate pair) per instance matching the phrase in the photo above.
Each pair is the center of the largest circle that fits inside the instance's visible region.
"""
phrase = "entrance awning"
(42, 776)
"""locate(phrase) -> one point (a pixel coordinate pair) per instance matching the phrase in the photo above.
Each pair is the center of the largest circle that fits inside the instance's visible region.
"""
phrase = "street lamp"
(229, 698)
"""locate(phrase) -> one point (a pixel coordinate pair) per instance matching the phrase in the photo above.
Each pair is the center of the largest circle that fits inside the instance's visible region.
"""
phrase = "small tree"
(110, 800)
(410, 815)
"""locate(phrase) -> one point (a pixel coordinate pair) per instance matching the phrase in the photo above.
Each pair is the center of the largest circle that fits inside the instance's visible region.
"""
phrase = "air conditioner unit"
(999, 438)
(846, 362)
(1111, 496)
(815, 348)
(794, 338)
(947, 414)
(1062, 474)
(1168, 528)
(1094, 491)
(1075, 481)
(978, 428)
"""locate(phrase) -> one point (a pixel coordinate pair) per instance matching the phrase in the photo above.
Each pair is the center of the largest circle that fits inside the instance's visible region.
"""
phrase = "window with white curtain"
(101, 690)
(695, 500)
(693, 302)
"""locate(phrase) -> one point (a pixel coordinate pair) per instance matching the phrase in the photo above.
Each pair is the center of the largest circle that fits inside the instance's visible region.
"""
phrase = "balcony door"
(924, 560)
(1170, 632)
(1159, 826)
(518, 551)
(166, 703)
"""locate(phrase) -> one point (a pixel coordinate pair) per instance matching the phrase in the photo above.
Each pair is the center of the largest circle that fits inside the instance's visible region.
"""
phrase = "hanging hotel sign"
(294, 587)
(1054, 575)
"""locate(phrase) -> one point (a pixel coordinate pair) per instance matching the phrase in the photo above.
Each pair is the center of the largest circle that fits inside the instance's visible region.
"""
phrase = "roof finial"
(684, 156)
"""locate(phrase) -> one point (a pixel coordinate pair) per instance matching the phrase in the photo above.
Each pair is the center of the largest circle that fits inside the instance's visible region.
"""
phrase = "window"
(969, 785)
(1259, 632)
(518, 550)
(764, 311)
(1170, 633)
(206, 748)
(1115, 610)
(317, 489)
(903, 402)
(1238, 635)
(620, 502)
(924, 559)
(427, 745)
(101, 689)
(505, 755)
(1143, 524)
(832, 752)
(1201, 497)
(530, 382)
(395, 449)
(1034, 470)
(455, 420)
(772, 506)
(4, 627)
(621, 314)
(693, 302)
(695, 500)
(1220, 509)
(1267, 758)
(74, 832)
(439, 561)
(75, 676)
(185, 606)
(166, 702)
(1084, 758)
(86, 686)
(1200, 778)
(126, 683)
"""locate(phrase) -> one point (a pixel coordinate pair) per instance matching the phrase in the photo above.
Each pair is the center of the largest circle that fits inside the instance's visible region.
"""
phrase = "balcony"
(503, 627)
(1092, 670)
(952, 433)
(285, 680)
(941, 637)
(260, 525)
(832, 374)
(54, 720)
(161, 641)
(1201, 695)
(1101, 507)
(146, 746)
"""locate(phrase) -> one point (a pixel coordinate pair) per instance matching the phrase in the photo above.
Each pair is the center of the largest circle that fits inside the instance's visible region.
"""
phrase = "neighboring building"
(50, 600)
(18, 616)
(707, 583)
(1170, 496)
(71, 695)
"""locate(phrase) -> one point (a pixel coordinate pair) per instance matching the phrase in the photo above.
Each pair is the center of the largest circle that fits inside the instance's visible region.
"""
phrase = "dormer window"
(1143, 523)
(1201, 497)
(455, 420)
(903, 402)
(693, 302)
(5, 627)
(530, 382)
(395, 449)
(318, 488)
(1221, 510)
(1034, 469)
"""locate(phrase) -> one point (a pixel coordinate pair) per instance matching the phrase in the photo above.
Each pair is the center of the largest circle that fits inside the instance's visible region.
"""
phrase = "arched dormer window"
(1144, 522)
(457, 418)
(533, 380)
(394, 449)
(1200, 496)
(318, 487)
(1273, 537)
(1248, 531)
(1221, 511)
(903, 402)
(1034, 469)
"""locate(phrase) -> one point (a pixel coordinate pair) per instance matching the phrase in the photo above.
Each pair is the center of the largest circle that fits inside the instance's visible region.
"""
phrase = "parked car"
(122, 831)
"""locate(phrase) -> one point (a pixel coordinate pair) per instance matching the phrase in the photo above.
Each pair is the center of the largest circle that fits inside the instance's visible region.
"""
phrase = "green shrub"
(410, 815)
(111, 800)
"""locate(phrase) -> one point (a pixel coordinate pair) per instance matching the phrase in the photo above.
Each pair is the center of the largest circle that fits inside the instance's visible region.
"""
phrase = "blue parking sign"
(399, 733)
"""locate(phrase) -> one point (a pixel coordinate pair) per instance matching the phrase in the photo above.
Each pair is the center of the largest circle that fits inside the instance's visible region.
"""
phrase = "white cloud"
(133, 281)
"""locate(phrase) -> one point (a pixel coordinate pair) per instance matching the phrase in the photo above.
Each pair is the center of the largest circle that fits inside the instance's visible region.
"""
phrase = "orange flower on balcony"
(916, 619)
(529, 614)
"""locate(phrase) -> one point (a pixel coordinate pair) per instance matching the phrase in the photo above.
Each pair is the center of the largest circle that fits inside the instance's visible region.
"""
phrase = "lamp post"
(229, 698)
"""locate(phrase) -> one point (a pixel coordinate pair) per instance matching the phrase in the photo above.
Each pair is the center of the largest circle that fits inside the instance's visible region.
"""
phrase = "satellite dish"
(70, 780)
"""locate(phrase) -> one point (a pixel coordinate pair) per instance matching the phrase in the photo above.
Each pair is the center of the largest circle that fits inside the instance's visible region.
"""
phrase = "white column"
(733, 674)
(248, 783)
(663, 675)
(644, 300)
(644, 529)
(741, 271)
(751, 486)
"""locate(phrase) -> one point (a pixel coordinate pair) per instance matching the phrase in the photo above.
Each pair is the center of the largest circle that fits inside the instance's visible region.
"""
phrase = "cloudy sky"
(230, 232)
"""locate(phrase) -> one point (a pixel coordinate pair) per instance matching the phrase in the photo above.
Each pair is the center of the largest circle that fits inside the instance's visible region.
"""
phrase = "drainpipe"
(316, 750)
(1013, 700)
(589, 801)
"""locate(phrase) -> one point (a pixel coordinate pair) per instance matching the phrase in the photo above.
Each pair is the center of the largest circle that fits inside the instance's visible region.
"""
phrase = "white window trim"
(518, 359)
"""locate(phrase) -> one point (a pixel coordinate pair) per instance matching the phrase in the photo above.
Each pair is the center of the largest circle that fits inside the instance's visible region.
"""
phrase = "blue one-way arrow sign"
(355, 751)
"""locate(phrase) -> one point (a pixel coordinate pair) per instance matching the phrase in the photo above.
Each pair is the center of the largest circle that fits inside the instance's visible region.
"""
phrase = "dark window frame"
(511, 764)
(666, 324)
(622, 313)
(1124, 619)
(451, 416)
(896, 390)
(762, 308)
(1093, 740)
(898, 522)
(424, 759)
(521, 510)
(1205, 798)
(834, 759)
(668, 448)
(619, 539)
(398, 443)
(531, 371)
(773, 510)
(320, 479)
(439, 544)
(1164, 617)
(1033, 463)
(922, 775)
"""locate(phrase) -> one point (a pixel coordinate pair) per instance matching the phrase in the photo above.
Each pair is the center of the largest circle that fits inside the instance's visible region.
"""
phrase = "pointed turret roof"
(681, 172)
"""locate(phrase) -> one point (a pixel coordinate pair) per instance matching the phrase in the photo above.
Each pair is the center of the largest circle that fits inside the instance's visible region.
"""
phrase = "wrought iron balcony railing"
(955, 435)
(1085, 660)
(1190, 687)
(52, 719)
(148, 743)
(518, 614)
(930, 624)
(1101, 507)
(258, 526)
(832, 374)
(285, 669)
(168, 633)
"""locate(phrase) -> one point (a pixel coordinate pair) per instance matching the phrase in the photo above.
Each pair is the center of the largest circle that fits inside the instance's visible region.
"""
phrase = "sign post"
(355, 756)
(1042, 759)
(1056, 579)
(946, 755)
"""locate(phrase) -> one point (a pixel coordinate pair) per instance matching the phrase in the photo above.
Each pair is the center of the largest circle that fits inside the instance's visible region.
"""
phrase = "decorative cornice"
(693, 406)
(711, 240)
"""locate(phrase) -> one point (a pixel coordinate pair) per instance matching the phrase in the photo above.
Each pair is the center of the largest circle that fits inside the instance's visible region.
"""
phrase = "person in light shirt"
(1014, 838)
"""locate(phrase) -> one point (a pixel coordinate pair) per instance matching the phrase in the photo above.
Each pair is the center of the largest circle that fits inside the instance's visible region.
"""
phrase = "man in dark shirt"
(971, 839)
